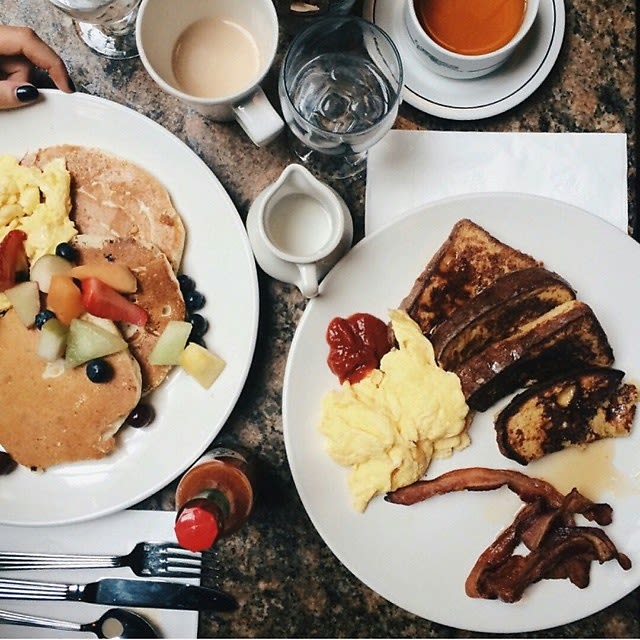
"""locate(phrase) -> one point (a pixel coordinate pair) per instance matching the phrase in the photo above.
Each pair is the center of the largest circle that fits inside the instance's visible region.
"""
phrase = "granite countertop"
(288, 583)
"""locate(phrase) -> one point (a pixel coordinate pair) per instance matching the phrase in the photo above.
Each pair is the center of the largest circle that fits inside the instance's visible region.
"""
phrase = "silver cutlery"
(166, 560)
(157, 594)
(115, 623)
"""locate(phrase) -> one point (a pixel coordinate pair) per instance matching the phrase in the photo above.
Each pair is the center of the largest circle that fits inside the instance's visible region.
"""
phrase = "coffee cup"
(464, 39)
(213, 55)
(299, 228)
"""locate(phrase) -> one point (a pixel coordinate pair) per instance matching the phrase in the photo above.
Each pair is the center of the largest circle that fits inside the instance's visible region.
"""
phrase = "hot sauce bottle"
(213, 499)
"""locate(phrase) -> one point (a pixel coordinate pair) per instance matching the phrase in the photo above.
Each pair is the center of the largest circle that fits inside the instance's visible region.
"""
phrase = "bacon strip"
(477, 479)
(485, 479)
(509, 580)
(545, 524)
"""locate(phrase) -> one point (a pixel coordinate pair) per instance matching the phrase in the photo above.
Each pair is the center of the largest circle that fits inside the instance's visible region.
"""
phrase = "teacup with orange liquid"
(468, 38)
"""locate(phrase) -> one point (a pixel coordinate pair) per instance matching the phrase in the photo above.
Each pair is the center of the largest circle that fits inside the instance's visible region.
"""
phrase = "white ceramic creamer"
(298, 228)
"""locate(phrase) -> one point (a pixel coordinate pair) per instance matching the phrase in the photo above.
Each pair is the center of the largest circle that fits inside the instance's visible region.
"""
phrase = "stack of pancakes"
(123, 214)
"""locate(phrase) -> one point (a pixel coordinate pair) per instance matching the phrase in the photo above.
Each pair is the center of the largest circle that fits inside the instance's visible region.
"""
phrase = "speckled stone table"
(287, 581)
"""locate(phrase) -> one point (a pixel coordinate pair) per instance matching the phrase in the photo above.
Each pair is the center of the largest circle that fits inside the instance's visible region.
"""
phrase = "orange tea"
(470, 27)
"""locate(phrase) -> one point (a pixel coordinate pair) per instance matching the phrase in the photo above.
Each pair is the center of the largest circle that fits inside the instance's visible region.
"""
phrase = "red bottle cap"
(197, 526)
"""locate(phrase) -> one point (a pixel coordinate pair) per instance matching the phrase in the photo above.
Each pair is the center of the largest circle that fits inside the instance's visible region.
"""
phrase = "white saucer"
(482, 97)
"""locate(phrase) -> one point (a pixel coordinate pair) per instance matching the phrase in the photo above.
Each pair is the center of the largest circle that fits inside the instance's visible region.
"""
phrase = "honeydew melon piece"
(25, 299)
(88, 340)
(171, 343)
(53, 340)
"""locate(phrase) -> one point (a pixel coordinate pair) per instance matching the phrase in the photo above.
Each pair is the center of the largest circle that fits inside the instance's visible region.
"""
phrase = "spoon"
(115, 623)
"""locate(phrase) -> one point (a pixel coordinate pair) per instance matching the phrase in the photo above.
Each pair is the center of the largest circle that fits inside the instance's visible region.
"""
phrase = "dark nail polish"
(26, 93)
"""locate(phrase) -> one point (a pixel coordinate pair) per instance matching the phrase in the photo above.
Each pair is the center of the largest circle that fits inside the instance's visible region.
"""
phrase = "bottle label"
(217, 497)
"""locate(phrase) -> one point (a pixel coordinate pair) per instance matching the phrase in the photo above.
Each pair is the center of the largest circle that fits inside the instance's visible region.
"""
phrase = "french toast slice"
(572, 410)
(564, 338)
(468, 261)
(511, 301)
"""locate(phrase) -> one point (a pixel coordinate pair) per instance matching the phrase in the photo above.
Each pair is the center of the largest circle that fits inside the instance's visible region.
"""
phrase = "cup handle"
(258, 118)
(308, 282)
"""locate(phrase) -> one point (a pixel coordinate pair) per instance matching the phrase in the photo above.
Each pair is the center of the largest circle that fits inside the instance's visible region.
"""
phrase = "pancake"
(47, 419)
(113, 196)
(158, 293)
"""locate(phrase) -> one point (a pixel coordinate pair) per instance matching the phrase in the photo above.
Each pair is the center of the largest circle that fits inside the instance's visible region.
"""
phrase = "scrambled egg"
(37, 202)
(389, 426)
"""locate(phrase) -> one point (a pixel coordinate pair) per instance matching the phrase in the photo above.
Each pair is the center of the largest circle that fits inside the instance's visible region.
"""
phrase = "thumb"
(16, 94)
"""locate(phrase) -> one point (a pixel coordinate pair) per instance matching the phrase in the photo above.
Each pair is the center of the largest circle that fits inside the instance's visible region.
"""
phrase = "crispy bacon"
(484, 479)
(558, 548)
(477, 479)
(566, 553)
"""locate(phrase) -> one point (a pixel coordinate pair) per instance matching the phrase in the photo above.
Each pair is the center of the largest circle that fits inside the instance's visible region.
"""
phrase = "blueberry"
(199, 325)
(141, 416)
(194, 300)
(99, 370)
(66, 251)
(43, 316)
(186, 283)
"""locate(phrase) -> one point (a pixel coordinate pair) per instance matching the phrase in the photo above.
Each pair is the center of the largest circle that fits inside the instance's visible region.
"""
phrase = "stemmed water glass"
(106, 26)
(340, 87)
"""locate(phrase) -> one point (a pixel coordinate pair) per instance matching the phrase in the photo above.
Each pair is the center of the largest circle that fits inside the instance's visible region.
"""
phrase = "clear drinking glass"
(340, 88)
(106, 26)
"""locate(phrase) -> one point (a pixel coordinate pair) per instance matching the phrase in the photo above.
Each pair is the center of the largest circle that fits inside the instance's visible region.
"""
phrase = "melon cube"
(201, 364)
(25, 298)
(87, 340)
(170, 345)
(53, 340)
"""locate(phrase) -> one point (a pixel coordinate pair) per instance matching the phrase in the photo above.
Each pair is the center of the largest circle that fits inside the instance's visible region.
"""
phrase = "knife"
(157, 594)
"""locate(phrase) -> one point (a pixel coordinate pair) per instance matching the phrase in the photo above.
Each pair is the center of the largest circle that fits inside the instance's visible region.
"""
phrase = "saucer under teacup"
(474, 99)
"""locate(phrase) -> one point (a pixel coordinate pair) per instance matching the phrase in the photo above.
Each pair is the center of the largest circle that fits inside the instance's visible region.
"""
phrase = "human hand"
(21, 52)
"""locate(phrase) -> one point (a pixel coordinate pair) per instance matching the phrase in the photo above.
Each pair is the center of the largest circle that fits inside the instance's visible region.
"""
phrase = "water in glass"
(341, 93)
(340, 86)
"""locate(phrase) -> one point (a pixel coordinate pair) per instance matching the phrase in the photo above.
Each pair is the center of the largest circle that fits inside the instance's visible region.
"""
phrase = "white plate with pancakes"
(418, 557)
(217, 256)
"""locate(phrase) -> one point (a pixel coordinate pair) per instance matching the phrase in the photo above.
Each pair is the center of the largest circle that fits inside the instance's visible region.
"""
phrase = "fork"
(146, 559)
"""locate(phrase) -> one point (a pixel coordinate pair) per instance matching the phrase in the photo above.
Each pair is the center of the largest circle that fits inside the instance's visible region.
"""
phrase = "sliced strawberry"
(101, 300)
(13, 258)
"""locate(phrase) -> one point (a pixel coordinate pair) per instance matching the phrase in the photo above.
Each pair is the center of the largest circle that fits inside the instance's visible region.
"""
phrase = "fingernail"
(72, 84)
(26, 93)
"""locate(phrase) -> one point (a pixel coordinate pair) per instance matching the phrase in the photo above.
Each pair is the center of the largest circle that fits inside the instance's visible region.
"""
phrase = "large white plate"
(482, 97)
(418, 557)
(217, 255)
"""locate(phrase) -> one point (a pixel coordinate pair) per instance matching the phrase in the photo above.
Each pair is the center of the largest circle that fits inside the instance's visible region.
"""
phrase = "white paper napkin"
(117, 533)
(410, 168)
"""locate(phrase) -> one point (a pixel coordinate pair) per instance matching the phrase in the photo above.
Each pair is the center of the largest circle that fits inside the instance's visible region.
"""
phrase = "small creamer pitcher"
(298, 228)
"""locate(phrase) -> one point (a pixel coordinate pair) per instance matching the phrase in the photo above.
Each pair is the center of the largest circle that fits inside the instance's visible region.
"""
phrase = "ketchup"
(356, 345)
